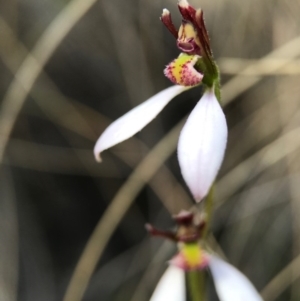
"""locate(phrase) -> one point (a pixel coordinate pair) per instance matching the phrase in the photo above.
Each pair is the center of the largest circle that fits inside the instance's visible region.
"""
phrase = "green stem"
(195, 285)
(209, 204)
(217, 87)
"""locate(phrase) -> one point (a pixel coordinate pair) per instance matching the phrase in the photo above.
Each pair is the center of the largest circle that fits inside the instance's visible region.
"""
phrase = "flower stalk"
(209, 204)
(195, 285)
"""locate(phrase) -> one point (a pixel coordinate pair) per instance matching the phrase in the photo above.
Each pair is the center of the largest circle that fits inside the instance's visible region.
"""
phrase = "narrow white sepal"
(231, 284)
(171, 286)
(133, 121)
(202, 144)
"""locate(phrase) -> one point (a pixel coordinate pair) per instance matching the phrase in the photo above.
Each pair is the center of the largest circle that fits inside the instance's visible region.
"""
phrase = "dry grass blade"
(8, 239)
(267, 156)
(239, 83)
(136, 74)
(282, 280)
(278, 66)
(34, 63)
(54, 159)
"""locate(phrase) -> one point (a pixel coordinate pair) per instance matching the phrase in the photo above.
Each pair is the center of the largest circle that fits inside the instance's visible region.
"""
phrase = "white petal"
(202, 144)
(133, 121)
(171, 286)
(231, 284)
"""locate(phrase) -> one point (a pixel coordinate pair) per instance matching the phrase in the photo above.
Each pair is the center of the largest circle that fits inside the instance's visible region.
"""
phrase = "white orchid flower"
(203, 138)
(230, 284)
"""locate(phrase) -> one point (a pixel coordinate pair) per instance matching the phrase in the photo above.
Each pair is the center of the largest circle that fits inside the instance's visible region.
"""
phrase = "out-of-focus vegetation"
(67, 70)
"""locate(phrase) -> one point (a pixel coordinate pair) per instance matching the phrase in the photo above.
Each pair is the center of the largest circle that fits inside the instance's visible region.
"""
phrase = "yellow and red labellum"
(181, 71)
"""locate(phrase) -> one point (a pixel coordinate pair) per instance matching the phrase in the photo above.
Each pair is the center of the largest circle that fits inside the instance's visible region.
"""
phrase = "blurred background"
(67, 69)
